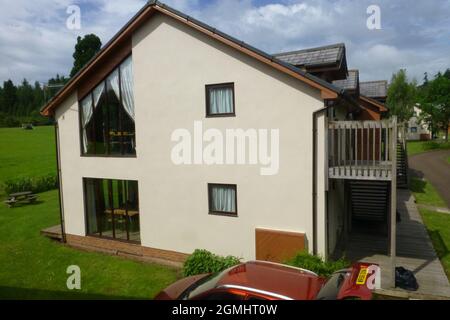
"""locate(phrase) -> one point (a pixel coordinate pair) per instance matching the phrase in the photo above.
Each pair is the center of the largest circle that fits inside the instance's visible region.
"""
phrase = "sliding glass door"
(112, 208)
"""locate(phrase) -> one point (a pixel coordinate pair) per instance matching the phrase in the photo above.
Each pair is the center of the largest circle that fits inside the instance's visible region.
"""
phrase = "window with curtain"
(220, 100)
(112, 208)
(107, 115)
(222, 199)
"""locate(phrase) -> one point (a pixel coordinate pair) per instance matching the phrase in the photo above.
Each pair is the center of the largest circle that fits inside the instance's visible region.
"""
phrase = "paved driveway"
(434, 167)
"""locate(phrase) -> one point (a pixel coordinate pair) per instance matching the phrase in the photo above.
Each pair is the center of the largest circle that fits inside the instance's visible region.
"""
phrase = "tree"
(53, 86)
(1, 101)
(447, 73)
(9, 97)
(38, 95)
(85, 49)
(425, 79)
(401, 96)
(24, 99)
(435, 100)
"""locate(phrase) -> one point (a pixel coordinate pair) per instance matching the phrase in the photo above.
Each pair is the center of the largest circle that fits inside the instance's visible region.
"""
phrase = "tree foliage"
(85, 49)
(21, 103)
(434, 98)
(401, 96)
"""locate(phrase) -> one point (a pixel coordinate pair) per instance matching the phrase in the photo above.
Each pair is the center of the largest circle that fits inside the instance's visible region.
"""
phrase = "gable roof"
(328, 91)
(351, 83)
(314, 57)
(374, 89)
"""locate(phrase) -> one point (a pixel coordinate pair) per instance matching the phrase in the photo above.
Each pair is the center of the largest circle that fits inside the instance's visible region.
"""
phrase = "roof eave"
(374, 102)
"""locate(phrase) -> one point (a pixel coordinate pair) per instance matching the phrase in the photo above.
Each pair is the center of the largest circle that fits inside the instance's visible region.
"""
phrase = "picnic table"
(25, 196)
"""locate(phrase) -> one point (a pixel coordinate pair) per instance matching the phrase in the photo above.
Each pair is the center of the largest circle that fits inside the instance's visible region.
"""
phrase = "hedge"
(203, 261)
(36, 184)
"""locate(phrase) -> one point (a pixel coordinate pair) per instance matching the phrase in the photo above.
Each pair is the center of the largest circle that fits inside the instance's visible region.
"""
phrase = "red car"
(261, 280)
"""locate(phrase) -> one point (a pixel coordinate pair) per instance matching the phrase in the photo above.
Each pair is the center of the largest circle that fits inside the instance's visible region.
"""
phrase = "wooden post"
(393, 229)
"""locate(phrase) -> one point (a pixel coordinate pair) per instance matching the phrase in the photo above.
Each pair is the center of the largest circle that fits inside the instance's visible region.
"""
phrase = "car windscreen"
(331, 288)
(203, 285)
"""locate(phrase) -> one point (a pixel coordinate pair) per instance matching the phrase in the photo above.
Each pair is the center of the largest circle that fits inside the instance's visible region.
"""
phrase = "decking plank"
(415, 250)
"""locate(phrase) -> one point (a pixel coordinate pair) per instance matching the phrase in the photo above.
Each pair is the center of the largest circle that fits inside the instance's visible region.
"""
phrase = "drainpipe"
(60, 195)
(327, 105)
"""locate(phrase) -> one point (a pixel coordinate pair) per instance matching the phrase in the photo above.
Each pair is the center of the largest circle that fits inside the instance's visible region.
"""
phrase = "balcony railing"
(362, 149)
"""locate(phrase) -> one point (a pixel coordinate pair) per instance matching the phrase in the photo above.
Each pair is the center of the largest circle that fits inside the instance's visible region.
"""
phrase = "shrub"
(316, 264)
(36, 185)
(203, 261)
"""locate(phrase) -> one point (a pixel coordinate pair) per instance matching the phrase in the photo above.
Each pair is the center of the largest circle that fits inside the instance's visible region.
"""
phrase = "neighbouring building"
(164, 75)
(417, 129)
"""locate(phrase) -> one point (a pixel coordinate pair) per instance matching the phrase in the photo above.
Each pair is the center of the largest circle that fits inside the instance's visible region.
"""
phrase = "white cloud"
(34, 42)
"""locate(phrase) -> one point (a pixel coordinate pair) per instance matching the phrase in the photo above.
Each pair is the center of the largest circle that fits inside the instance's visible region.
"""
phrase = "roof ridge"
(335, 45)
(156, 4)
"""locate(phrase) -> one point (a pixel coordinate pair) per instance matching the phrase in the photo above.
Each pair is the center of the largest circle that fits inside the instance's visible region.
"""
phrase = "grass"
(438, 226)
(34, 267)
(448, 160)
(425, 193)
(416, 147)
(26, 153)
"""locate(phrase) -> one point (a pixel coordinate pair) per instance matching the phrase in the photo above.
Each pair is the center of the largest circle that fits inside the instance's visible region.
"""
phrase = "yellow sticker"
(362, 276)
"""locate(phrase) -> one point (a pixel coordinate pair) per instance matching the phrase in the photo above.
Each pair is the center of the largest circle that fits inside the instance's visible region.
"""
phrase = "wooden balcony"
(362, 150)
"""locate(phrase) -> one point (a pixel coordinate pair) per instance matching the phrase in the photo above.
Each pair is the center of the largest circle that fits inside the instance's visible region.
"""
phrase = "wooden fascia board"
(375, 103)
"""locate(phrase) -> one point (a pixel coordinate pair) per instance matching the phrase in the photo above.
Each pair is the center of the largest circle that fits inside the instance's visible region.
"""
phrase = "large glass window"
(112, 208)
(107, 115)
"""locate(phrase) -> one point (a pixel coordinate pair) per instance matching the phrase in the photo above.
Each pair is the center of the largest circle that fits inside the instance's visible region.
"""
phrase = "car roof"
(272, 279)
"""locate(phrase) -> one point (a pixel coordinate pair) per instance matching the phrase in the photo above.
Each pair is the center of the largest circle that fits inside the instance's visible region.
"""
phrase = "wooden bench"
(26, 196)
(10, 202)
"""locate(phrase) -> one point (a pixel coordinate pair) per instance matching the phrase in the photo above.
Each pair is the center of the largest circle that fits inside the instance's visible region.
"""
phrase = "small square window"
(413, 129)
(220, 100)
(222, 199)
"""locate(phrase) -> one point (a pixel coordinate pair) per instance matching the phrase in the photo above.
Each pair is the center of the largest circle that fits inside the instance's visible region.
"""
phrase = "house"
(417, 129)
(130, 183)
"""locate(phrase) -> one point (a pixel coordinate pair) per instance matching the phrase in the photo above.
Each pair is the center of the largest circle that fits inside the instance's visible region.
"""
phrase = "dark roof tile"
(325, 55)
(374, 89)
(351, 83)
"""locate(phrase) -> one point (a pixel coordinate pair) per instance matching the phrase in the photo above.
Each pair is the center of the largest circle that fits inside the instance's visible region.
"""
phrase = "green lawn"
(425, 193)
(438, 226)
(34, 267)
(415, 147)
(26, 153)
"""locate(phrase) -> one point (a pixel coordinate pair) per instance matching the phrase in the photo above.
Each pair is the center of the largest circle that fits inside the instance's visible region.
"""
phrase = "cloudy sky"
(36, 44)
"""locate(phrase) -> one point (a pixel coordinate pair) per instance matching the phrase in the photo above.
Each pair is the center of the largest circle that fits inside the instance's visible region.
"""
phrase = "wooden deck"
(52, 232)
(415, 251)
